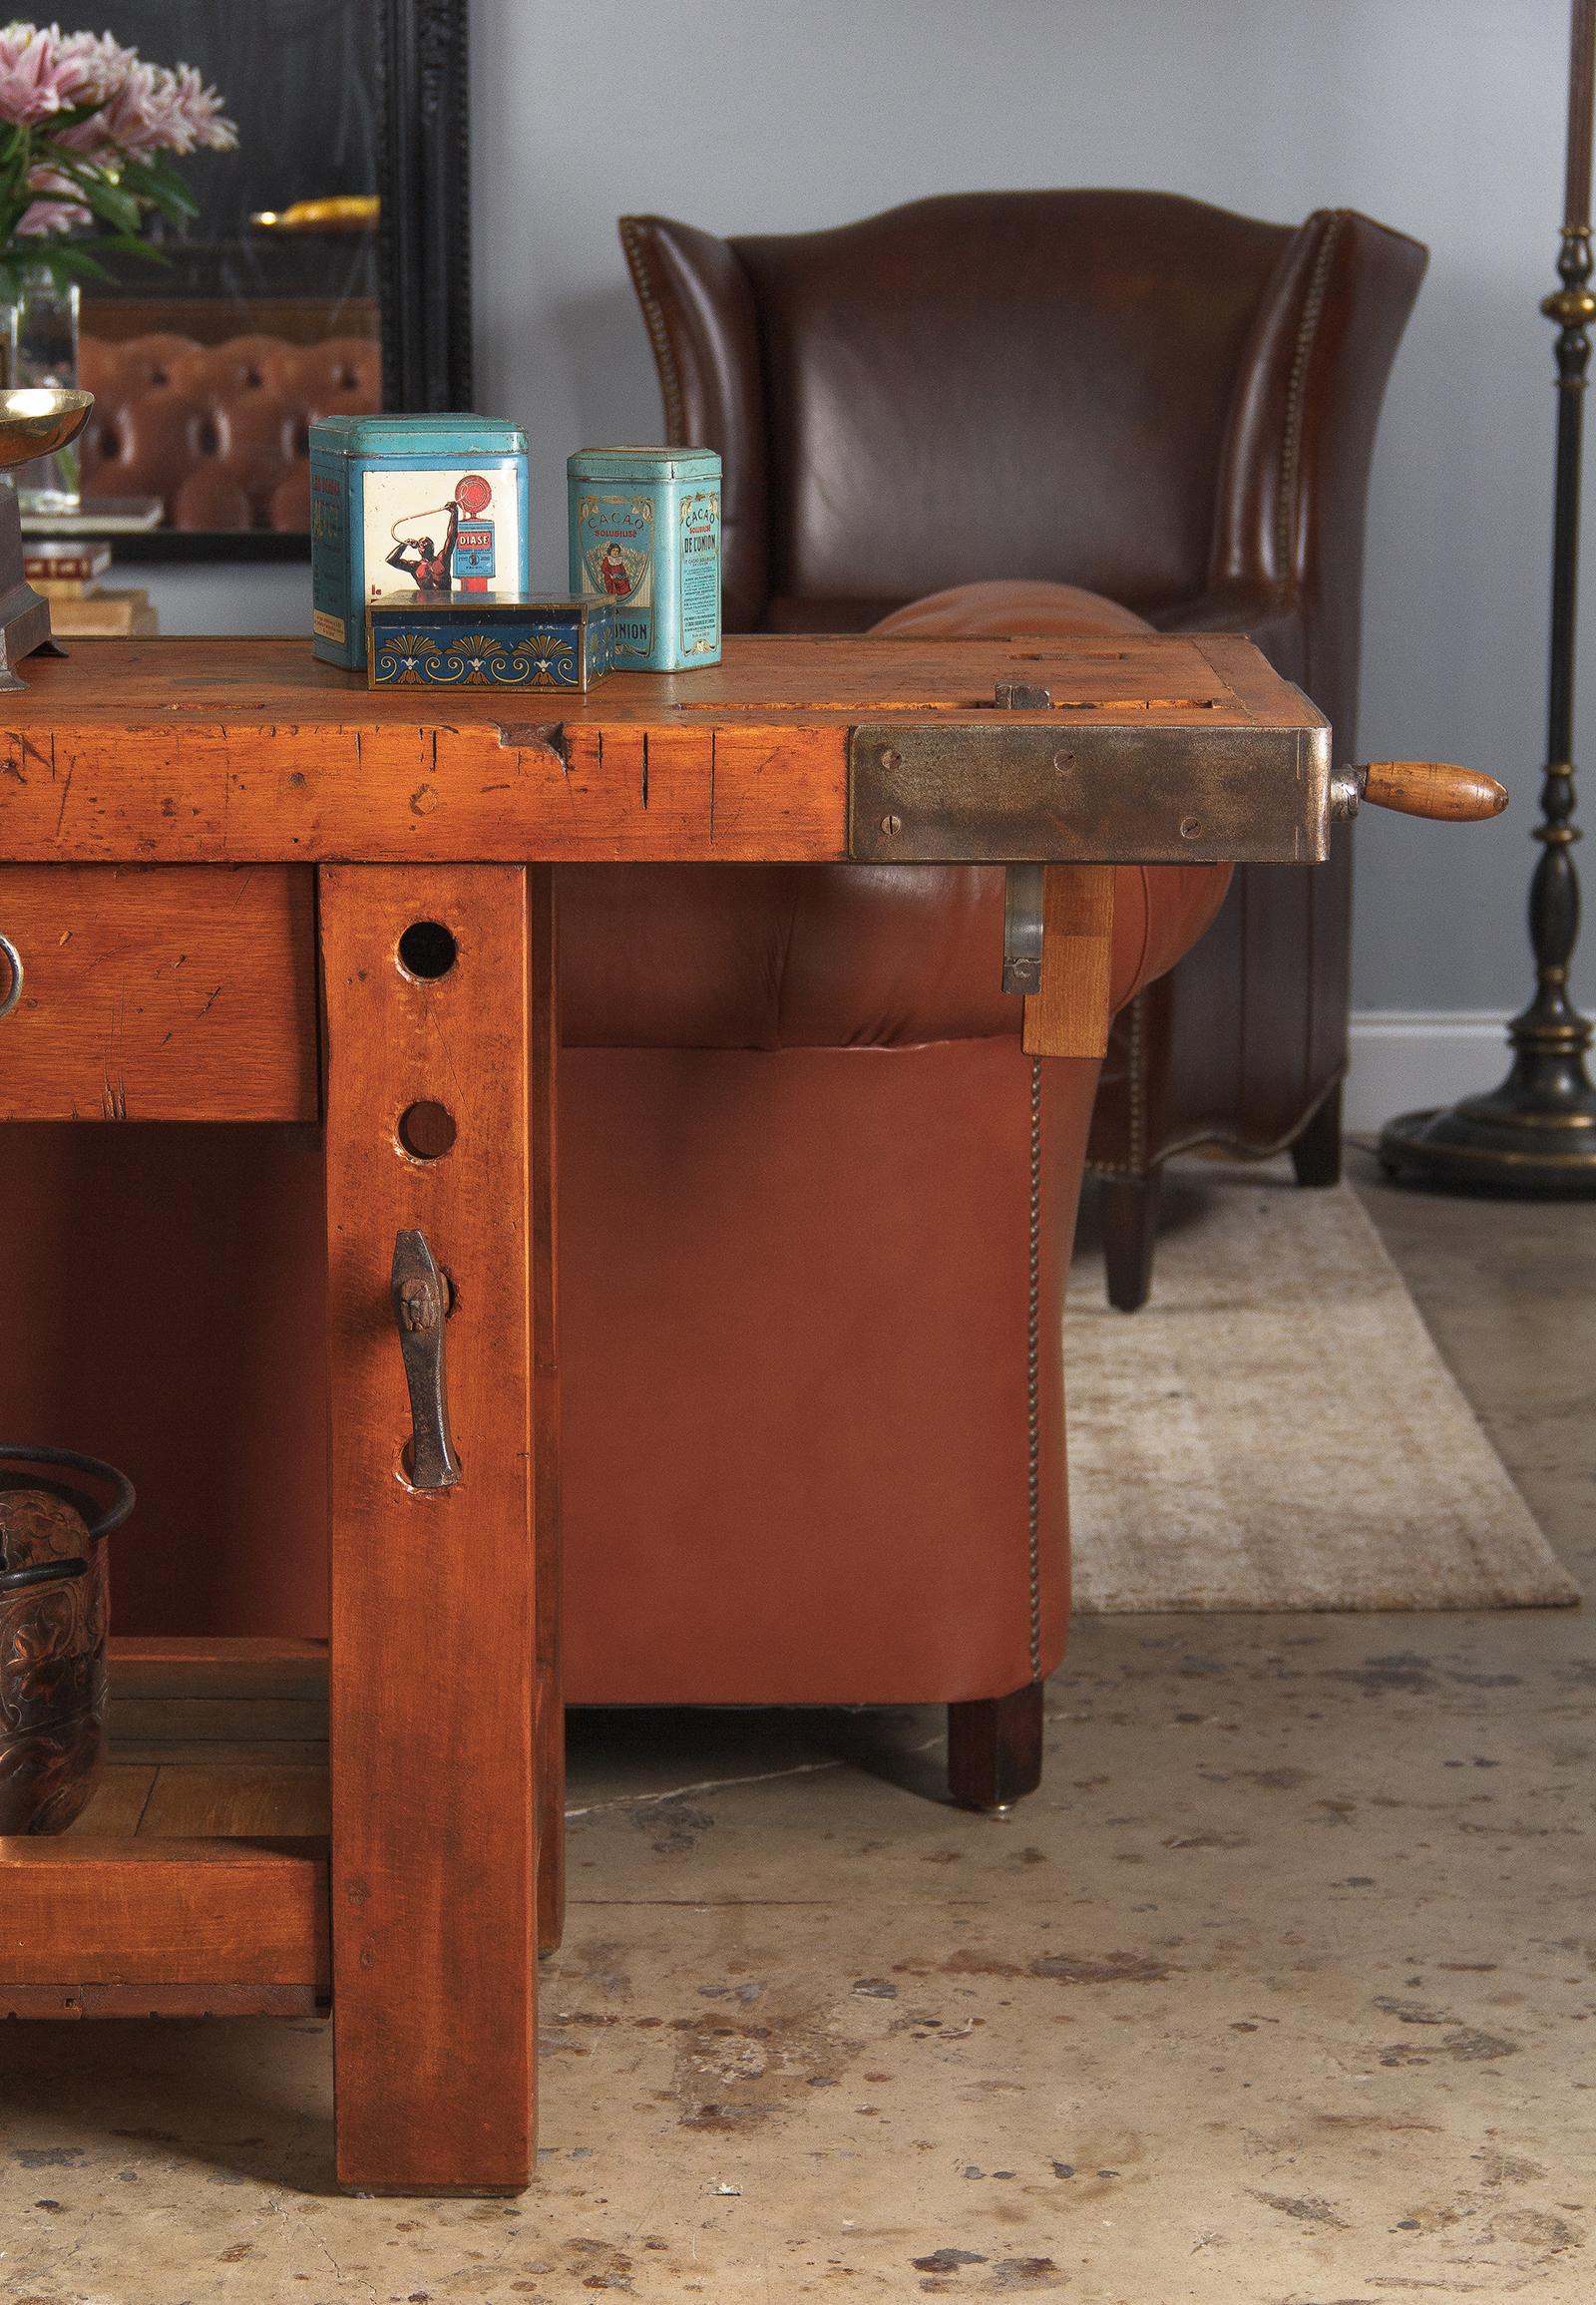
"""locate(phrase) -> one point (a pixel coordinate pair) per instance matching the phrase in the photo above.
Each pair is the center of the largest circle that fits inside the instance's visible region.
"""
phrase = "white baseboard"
(1405, 1058)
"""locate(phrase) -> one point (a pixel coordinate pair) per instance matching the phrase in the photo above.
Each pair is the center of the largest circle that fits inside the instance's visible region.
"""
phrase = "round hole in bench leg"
(427, 950)
(404, 1470)
(427, 1130)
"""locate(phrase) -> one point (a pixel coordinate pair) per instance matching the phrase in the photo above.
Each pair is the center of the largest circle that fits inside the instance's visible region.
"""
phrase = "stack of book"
(81, 607)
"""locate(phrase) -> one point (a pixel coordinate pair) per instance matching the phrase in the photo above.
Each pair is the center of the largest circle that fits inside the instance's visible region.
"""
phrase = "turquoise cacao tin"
(436, 506)
(496, 640)
(645, 534)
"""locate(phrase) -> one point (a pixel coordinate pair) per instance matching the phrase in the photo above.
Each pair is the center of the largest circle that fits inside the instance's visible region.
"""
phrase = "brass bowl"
(37, 421)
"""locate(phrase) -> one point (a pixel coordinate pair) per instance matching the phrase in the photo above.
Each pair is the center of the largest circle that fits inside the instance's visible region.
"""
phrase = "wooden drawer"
(158, 992)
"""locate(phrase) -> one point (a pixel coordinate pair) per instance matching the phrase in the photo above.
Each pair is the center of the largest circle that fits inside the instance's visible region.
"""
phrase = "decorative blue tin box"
(645, 534)
(437, 504)
(493, 641)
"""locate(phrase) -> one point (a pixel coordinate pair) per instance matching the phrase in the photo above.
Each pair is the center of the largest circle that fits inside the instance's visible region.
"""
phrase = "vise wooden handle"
(1433, 788)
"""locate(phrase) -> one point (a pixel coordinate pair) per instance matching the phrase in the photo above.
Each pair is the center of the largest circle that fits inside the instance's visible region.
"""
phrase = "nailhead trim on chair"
(659, 335)
(1136, 1165)
(1292, 436)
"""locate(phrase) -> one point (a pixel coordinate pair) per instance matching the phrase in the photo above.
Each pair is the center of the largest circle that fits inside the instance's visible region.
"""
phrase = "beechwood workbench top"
(283, 992)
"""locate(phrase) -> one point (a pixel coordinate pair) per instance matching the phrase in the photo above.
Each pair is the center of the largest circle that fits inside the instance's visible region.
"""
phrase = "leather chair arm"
(1007, 607)
(826, 957)
(852, 956)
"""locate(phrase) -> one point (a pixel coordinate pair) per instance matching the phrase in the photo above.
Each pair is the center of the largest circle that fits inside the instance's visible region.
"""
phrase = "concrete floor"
(1271, 1997)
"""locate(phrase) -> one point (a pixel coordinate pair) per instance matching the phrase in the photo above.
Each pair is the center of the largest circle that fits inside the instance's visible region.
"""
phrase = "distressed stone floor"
(1277, 1993)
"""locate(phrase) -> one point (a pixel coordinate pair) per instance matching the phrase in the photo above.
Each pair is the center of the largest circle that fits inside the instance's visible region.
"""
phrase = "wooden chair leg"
(995, 1749)
(1316, 1151)
(1130, 1227)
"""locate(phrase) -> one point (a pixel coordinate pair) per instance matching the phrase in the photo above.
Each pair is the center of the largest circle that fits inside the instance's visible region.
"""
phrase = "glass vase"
(39, 342)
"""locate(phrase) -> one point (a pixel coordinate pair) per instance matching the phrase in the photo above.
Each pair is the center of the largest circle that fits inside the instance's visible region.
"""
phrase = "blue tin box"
(435, 503)
(492, 641)
(645, 534)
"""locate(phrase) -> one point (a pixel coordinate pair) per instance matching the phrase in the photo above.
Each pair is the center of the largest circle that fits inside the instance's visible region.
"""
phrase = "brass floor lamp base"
(1499, 1143)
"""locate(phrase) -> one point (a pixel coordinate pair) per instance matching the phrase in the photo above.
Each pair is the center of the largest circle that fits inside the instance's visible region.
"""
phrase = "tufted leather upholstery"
(1142, 394)
(220, 432)
(786, 957)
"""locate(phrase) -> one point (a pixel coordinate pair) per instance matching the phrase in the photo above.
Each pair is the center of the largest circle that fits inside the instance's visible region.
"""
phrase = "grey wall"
(1442, 117)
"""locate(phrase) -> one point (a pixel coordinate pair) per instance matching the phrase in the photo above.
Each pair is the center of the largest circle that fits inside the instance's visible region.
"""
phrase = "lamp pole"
(1536, 1133)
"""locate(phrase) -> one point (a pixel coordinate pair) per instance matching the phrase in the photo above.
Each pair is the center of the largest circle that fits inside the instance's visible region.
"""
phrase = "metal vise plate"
(1033, 792)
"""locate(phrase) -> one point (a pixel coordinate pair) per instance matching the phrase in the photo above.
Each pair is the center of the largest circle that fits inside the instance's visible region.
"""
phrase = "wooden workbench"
(235, 840)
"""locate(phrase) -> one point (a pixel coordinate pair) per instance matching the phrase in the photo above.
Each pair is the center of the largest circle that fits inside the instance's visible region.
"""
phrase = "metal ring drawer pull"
(13, 991)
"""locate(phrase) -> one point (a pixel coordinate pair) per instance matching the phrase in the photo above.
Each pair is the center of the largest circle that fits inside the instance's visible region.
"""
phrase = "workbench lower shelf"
(196, 1881)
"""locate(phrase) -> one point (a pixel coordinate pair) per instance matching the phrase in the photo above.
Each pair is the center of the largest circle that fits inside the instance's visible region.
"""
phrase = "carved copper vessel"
(54, 1606)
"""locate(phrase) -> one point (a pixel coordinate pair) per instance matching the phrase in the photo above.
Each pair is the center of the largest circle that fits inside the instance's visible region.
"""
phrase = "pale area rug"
(1275, 1428)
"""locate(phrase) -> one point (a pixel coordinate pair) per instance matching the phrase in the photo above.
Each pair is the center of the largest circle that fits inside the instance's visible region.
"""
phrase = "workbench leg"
(430, 1105)
(543, 1087)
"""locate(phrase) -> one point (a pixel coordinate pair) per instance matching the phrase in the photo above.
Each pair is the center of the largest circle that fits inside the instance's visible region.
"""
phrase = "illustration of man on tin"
(416, 557)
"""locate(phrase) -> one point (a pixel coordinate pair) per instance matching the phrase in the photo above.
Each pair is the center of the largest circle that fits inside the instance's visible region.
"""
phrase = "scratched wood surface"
(225, 1735)
(195, 680)
(183, 1915)
(160, 992)
(190, 751)
(212, 1741)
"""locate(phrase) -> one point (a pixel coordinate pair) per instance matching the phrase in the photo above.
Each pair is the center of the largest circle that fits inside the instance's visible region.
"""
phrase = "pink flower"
(144, 108)
(100, 62)
(149, 109)
(199, 111)
(46, 216)
(130, 117)
(133, 110)
(56, 205)
(39, 75)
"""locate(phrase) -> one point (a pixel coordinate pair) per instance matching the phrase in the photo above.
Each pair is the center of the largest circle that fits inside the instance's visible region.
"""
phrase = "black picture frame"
(423, 249)
(424, 234)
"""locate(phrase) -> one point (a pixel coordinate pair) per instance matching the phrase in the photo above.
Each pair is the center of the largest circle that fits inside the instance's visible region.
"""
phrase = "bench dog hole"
(427, 1130)
(428, 950)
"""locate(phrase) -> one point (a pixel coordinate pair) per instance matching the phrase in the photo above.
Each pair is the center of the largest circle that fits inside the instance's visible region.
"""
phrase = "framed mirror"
(326, 271)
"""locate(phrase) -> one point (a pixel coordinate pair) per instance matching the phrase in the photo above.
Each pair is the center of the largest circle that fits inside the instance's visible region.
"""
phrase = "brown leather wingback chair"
(1129, 391)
